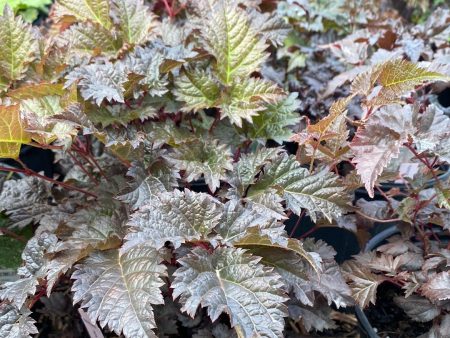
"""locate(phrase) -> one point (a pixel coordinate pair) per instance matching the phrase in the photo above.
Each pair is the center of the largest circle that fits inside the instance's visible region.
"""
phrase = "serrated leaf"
(437, 287)
(399, 76)
(231, 281)
(337, 109)
(93, 228)
(262, 245)
(230, 38)
(203, 157)
(363, 283)
(38, 114)
(85, 10)
(271, 26)
(145, 63)
(122, 114)
(273, 123)
(31, 91)
(99, 81)
(330, 282)
(33, 270)
(18, 47)
(197, 88)
(61, 262)
(363, 83)
(90, 39)
(319, 193)
(176, 217)
(317, 317)
(433, 133)
(119, 289)
(235, 221)
(19, 290)
(380, 141)
(248, 166)
(247, 97)
(418, 308)
(12, 132)
(269, 203)
(25, 200)
(15, 323)
(136, 21)
(143, 190)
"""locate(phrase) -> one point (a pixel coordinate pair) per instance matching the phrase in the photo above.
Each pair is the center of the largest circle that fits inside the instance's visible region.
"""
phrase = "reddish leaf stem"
(377, 219)
(309, 232)
(297, 223)
(30, 172)
(77, 162)
(12, 234)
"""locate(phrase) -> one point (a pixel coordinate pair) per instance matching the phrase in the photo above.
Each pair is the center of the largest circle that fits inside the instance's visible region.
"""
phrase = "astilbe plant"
(137, 110)
(143, 113)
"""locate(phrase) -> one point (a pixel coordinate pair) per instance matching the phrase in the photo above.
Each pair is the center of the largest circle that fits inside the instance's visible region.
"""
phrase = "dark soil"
(391, 321)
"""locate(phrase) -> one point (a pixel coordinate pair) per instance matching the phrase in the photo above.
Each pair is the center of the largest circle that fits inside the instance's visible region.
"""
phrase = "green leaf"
(399, 76)
(90, 39)
(92, 228)
(12, 132)
(119, 288)
(273, 122)
(85, 10)
(248, 166)
(176, 217)
(319, 193)
(248, 97)
(18, 47)
(237, 221)
(231, 281)
(262, 245)
(136, 21)
(197, 88)
(35, 91)
(230, 38)
(203, 157)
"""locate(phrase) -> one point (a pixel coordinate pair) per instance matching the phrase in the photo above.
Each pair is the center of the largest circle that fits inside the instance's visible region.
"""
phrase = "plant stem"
(30, 172)
(309, 232)
(377, 219)
(168, 8)
(297, 223)
(83, 168)
(427, 164)
(12, 234)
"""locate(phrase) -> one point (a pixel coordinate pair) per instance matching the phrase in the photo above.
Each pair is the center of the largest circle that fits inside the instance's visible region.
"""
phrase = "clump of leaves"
(169, 207)
(138, 110)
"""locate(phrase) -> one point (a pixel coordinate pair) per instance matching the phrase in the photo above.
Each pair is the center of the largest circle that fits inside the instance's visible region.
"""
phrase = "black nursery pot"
(36, 159)
(343, 241)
